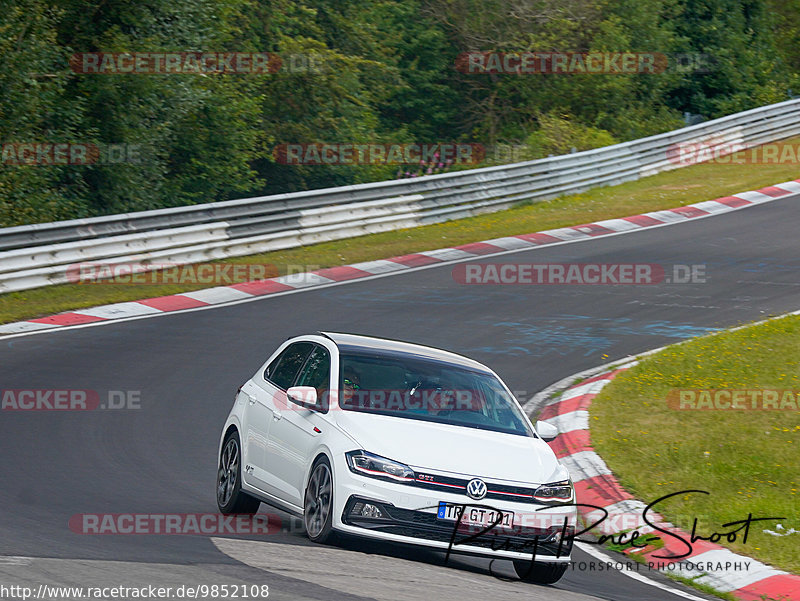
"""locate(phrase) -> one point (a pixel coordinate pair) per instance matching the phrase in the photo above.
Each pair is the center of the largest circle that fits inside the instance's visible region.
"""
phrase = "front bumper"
(543, 533)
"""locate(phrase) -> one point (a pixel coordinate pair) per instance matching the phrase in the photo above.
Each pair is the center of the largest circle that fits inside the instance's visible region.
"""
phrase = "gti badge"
(476, 489)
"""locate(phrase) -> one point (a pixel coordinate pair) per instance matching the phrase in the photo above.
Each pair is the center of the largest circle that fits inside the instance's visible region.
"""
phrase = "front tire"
(540, 573)
(230, 497)
(318, 502)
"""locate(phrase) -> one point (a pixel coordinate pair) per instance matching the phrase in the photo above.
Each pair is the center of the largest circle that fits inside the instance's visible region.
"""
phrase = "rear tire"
(540, 573)
(230, 497)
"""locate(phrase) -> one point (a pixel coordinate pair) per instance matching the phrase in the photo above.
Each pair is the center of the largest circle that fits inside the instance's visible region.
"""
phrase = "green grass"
(703, 588)
(748, 460)
(621, 547)
(665, 190)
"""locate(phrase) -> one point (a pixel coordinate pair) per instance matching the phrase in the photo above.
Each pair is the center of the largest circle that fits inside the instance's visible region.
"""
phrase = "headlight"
(556, 492)
(368, 464)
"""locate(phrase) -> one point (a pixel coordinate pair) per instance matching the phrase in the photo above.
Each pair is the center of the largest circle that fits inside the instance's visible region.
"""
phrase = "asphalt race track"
(161, 458)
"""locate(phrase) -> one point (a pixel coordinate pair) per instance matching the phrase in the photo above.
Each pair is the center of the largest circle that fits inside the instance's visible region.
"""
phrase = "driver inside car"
(351, 382)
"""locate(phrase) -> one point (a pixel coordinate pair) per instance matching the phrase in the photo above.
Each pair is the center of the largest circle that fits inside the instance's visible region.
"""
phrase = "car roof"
(355, 342)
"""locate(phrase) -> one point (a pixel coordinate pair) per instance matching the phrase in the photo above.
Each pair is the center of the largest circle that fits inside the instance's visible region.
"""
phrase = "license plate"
(475, 516)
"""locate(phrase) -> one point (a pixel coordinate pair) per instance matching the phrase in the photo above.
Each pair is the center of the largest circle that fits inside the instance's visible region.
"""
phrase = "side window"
(273, 366)
(317, 373)
(282, 371)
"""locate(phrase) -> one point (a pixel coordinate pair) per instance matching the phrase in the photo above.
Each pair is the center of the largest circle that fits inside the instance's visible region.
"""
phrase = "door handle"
(251, 398)
(276, 415)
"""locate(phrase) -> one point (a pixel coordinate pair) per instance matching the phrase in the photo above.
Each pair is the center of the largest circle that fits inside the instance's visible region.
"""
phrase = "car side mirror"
(305, 396)
(547, 431)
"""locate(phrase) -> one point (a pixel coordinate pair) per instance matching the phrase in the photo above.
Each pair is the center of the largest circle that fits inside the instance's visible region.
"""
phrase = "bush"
(558, 134)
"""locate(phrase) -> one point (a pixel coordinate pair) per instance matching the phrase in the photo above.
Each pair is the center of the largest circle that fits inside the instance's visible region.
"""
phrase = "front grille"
(425, 526)
(519, 494)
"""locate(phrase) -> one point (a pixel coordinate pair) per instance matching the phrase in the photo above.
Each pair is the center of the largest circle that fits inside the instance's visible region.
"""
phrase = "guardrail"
(40, 254)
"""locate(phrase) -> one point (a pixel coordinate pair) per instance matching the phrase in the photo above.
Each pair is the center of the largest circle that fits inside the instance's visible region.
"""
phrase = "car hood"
(456, 449)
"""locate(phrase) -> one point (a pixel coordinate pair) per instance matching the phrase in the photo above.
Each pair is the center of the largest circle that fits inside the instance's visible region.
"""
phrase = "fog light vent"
(371, 511)
(555, 537)
(366, 510)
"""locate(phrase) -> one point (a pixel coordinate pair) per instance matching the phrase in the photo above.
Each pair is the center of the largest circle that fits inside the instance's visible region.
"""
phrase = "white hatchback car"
(398, 442)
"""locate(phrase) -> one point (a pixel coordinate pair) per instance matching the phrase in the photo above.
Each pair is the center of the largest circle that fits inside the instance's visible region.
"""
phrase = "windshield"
(428, 390)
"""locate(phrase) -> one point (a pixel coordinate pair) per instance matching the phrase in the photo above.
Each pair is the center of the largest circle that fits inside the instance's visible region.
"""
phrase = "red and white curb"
(743, 577)
(251, 290)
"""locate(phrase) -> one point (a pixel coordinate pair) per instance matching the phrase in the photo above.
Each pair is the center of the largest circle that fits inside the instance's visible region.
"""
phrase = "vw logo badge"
(476, 489)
